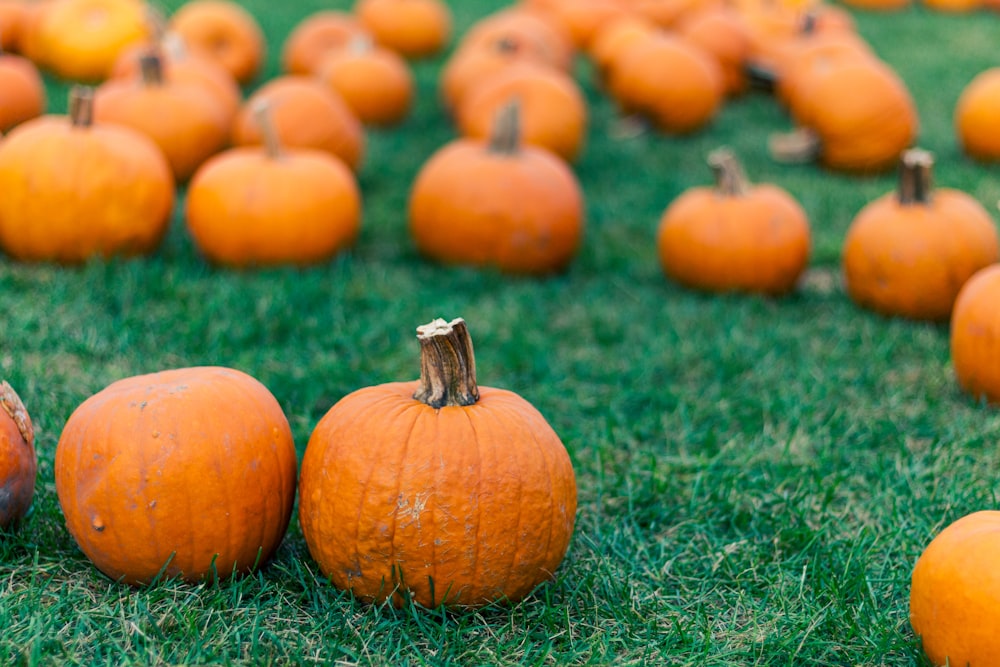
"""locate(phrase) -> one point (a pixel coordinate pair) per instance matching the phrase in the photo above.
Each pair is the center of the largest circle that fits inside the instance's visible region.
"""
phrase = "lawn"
(756, 477)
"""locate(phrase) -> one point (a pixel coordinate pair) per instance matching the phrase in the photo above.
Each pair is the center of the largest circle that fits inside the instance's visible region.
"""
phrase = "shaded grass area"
(756, 477)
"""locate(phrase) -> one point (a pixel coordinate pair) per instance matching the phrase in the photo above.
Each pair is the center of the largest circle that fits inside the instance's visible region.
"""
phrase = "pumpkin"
(18, 465)
(977, 115)
(184, 120)
(225, 32)
(669, 14)
(306, 114)
(552, 107)
(186, 473)
(975, 335)
(735, 236)
(955, 593)
(530, 30)
(74, 190)
(438, 491)
(775, 31)
(412, 28)
(81, 39)
(470, 65)
(374, 82)
(22, 91)
(582, 19)
(721, 32)
(260, 206)
(908, 254)
(855, 116)
(13, 16)
(613, 38)
(502, 204)
(669, 80)
(315, 36)
(810, 57)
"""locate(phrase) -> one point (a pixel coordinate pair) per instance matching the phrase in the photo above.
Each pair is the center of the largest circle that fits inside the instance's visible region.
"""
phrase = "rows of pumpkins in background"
(167, 106)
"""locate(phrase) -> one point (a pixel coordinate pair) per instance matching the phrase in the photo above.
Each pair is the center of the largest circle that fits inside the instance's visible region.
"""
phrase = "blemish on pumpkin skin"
(97, 524)
(407, 513)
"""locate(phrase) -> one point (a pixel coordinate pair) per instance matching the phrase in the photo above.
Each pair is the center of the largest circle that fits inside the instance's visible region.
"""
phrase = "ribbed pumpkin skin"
(18, 465)
(756, 242)
(194, 462)
(480, 499)
(72, 193)
(975, 335)
(912, 260)
(955, 593)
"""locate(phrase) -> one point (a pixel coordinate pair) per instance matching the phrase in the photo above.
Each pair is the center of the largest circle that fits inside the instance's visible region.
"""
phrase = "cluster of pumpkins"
(271, 180)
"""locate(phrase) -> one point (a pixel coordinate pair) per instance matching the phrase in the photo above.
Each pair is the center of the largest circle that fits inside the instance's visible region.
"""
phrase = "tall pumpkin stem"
(81, 106)
(915, 171)
(151, 66)
(12, 405)
(272, 144)
(730, 179)
(505, 139)
(447, 364)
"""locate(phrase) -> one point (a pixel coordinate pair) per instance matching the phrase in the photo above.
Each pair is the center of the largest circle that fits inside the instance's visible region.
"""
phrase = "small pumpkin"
(955, 593)
(317, 35)
(975, 335)
(22, 91)
(13, 16)
(18, 464)
(439, 491)
(735, 236)
(502, 204)
(306, 114)
(412, 28)
(264, 206)
(73, 189)
(187, 472)
(613, 38)
(533, 31)
(472, 64)
(908, 254)
(374, 82)
(582, 19)
(977, 116)
(721, 32)
(225, 32)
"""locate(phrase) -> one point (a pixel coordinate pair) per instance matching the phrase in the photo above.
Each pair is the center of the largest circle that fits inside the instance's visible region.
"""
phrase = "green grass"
(756, 477)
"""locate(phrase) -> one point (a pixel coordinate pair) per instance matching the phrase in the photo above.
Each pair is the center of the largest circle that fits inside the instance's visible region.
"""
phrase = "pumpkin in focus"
(18, 464)
(975, 335)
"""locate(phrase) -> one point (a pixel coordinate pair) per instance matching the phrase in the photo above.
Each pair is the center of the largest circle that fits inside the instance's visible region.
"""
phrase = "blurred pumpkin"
(614, 37)
(582, 19)
(22, 91)
(315, 36)
(721, 32)
(528, 30)
(975, 335)
(225, 32)
(13, 15)
(470, 65)
(187, 473)
(977, 116)
(18, 464)
(501, 204)
(735, 236)
(374, 82)
(438, 491)
(412, 28)
(669, 14)
(909, 253)
(264, 206)
(75, 190)
(808, 58)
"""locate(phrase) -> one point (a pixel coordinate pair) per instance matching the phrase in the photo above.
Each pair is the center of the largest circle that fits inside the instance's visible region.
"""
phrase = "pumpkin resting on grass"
(975, 335)
(437, 490)
(18, 466)
(412, 28)
(955, 593)
(187, 472)
(225, 32)
(909, 253)
(734, 236)
(977, 116)
(22, 91)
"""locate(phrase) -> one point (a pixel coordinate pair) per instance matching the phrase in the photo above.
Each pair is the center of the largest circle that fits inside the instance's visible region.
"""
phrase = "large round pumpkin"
(18, 465)
(955, 593)
(975, 335)
(182, 473)
(437, 490)
(908, 254)
(73, 190)
(977, 116)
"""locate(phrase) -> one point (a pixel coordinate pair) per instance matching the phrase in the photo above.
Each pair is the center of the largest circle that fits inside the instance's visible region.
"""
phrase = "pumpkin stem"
(156, 22)
(12, 405)
(915, 170)
(447, 364)
(730, 179)
(81, 106)
(151, 66)
(505, 139)
(796, 147)
(272, 144)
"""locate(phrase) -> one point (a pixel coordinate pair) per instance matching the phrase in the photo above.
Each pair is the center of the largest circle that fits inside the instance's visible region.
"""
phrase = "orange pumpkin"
(18, 465)
(721, 32)
(582, 19)
(183, 473)
(528, 30)
(977, 116)
(22, 91)
(735, 236)
(315, 36)
(500, 204)
(253, 206)
(810, 57)
(439, 491)
(669, 80)
(376, 83)
(184, 120)
(472, 64)
(73, 190)
(29, 39)
(412, 28)
(553, 109)
(975, 335)
(306, 114)
(669, 14)
(613, 38)
(909, 253)
(225, 32)
(955, 593)
(13, 15)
